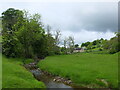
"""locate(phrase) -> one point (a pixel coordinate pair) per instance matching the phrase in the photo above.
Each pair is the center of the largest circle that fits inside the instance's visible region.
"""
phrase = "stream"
(48, 80)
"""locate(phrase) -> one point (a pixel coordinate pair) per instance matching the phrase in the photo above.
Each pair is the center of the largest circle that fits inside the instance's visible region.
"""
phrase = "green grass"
(0, 38)
(16, 76)
(27, 61)
(84, 68)
(0, 71)
(100, 52)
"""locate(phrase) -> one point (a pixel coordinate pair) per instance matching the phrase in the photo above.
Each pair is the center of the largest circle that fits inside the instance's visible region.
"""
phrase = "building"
(78, 50)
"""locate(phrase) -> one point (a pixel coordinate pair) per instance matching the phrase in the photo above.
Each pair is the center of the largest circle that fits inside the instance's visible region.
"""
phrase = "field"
(0, 64)
(0, 38)
(0, 71)
(85, 69)
(14, 75)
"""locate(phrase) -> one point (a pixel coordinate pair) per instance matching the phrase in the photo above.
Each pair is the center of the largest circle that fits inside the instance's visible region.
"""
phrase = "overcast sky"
(86, 21)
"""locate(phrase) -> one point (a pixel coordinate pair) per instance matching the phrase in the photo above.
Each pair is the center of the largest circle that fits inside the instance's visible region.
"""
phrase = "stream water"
(47, 79)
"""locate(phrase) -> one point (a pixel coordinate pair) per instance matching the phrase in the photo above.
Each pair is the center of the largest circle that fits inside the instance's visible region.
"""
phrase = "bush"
(113, 45)
(100, 49)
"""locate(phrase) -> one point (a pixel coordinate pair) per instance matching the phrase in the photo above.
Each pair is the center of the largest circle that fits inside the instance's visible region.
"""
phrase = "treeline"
(110, 46)
(113, 45)
(95, 45)
(23, 35)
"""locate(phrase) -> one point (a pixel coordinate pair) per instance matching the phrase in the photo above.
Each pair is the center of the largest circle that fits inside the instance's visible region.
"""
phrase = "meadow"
(0, 64)
(0, 39)
(14, 75)
(0, 71)
(84, 69)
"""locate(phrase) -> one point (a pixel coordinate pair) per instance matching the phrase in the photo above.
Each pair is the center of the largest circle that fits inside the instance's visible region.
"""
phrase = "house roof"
(78, 48)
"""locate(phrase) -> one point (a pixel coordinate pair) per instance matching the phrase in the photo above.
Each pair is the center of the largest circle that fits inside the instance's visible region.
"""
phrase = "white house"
(78, 50)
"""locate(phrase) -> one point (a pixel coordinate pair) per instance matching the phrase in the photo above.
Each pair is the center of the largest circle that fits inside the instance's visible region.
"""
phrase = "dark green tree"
(76, 45)
(9, 18)
(85, 44)
(31, 36)
(113, 45)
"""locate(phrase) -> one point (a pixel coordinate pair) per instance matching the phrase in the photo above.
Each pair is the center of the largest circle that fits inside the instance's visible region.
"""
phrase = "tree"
(31, 36)
(25, 36)
(89, 47)
(112, 45)
(65, 46)
(94, 42)
(57, 37)
(85, 44)
(76, 45)
(51, 43)
(0, 25)
(49, 30)
(9, 18)
(71, 44)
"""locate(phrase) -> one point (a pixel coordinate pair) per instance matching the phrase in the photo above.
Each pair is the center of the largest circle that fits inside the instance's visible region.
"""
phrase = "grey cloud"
(103, 17)
(90, 16)
(75, 16)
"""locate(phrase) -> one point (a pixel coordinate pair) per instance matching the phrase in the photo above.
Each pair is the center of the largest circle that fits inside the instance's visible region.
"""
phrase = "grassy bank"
(16, 76)
(0, 71)
(86, 69)
(0, 38)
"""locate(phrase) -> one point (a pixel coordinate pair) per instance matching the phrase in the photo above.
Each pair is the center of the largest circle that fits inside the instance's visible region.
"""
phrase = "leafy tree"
(25, 36)
(94, 42)
(113, 45)
(85, 44)
(57, 41)
(71, 44)
(32, 36)
(9, 18)
(89, 47)
(76, 45)
(48, 30)
(65, 46)
(101, 39)
(57, 37)
(52, 42)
